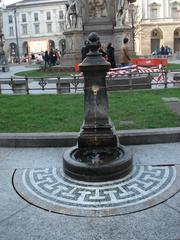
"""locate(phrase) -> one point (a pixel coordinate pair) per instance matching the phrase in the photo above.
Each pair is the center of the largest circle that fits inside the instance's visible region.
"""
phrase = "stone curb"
(126, 137)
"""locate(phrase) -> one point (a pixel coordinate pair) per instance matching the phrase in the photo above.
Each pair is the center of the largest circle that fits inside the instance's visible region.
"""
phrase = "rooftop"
(33, 2)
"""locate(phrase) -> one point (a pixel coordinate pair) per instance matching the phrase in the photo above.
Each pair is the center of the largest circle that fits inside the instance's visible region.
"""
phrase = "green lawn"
(64, 113)
(173, 67)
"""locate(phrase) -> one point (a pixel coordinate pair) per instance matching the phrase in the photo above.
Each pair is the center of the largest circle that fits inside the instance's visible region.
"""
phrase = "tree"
(135, 19)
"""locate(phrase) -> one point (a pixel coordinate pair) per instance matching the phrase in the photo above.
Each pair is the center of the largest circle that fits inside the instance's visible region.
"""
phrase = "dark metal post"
(166, 79)
(58, 84)
(27, 86)
(17, 37)
(12, 84)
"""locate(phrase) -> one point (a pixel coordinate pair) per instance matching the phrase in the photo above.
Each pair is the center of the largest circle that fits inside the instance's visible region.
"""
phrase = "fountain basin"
(97, 164)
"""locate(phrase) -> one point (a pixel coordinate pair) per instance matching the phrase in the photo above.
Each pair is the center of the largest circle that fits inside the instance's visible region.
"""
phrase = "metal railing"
(75, 83)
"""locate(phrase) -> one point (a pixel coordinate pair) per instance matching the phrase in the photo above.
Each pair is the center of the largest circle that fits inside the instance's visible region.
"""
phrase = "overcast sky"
(7, 2)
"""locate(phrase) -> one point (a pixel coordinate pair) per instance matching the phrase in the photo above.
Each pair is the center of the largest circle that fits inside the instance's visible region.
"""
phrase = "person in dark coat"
(162, 50)
(46, 58)
(110, 55)
(52, 57)
(84, 50)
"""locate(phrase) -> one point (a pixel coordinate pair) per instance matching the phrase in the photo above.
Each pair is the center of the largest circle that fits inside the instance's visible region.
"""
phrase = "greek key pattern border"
(51, 185)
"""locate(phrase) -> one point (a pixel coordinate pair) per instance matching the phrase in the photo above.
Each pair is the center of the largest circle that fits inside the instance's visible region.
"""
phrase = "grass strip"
(64, 113)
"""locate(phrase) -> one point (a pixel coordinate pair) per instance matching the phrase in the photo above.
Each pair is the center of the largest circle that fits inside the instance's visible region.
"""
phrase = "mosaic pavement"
(51, 190)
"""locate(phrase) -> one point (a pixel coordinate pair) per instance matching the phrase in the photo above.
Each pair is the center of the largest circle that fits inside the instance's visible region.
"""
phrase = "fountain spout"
(95, 90)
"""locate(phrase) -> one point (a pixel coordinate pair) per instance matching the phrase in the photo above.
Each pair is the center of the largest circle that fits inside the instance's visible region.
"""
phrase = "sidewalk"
(20, 220)
(14, 69)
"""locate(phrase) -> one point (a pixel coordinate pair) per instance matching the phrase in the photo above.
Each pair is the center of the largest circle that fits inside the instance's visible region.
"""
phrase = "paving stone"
(174, 106)
(157, 154)
(31, 158)
(10, 202)
(4, 152)
(33, 223)
(171, 99)
(20, 221)
(174, 202)
(124, 123)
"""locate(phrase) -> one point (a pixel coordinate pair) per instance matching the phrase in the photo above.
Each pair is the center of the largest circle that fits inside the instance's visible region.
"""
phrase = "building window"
(11, 31)
(24, 29)
(154, 13)
(48, 16)
(10, 19)
(61, 26)
(49, 27)
(61, 14)
(36, 17)
(23, 17)
(154, 34)
(36, 28)
(174, 12)
(177, 33)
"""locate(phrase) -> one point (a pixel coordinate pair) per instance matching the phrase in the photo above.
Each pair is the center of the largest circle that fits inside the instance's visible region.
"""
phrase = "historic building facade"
(1, 20)
(34, 25)
(159, 25)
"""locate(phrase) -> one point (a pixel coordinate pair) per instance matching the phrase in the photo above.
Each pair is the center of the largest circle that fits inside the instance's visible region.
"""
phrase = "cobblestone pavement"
(20, 220)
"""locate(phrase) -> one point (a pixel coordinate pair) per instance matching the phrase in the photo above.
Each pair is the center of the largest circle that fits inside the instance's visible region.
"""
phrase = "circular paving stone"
(51, 189)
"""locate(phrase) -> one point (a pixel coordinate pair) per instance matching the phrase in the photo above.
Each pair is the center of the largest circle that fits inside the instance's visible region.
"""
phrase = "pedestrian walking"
(125, 54)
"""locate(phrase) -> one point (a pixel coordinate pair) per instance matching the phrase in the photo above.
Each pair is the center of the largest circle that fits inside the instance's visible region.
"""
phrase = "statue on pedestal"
(122, 7)
(74, 14)
(97, 8)
(3, 61)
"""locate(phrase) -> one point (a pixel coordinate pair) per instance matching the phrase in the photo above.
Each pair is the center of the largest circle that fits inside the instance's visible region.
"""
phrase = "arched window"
(51, 44)
(156, 37)
(177, 40)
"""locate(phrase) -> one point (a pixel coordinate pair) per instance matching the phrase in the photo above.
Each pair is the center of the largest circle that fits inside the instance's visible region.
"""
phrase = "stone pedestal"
(3, 61)
(19, 87)
(100, 18)
(74, 43)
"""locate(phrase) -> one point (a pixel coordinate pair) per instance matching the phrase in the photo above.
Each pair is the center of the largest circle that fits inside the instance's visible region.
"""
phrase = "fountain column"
(98, 155)
(97, 130)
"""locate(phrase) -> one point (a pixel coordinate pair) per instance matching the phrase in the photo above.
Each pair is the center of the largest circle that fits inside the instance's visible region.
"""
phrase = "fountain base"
(99, 164)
